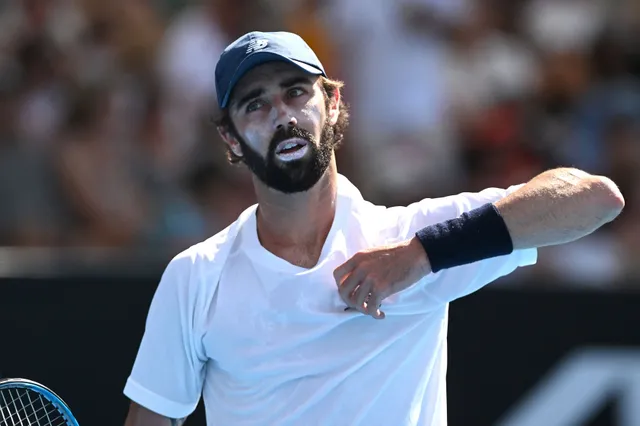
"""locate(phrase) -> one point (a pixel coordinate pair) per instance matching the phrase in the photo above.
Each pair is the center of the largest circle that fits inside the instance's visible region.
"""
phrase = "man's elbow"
(610, 200)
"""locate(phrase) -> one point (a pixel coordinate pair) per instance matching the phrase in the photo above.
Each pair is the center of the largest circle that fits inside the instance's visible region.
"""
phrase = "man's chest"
(267, 323)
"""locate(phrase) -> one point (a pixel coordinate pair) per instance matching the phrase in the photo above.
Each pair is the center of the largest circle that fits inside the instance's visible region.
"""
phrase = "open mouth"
(290, 145)
(292, 149)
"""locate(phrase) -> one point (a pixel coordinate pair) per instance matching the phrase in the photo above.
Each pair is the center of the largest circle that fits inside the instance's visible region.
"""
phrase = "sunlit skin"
(271, 96)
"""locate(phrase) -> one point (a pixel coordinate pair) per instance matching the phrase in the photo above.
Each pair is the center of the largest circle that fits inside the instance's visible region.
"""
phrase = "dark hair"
(329, 87)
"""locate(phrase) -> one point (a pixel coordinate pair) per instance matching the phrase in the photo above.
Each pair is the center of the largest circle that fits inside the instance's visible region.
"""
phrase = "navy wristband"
(476, 235)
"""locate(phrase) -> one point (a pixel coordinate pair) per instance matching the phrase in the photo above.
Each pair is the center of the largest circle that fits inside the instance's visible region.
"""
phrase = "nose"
(284, 116)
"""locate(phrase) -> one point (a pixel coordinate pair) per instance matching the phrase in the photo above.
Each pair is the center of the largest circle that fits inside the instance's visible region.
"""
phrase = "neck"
(295, 226)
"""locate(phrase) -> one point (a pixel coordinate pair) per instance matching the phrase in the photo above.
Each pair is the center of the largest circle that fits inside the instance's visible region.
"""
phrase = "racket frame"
(51, 396)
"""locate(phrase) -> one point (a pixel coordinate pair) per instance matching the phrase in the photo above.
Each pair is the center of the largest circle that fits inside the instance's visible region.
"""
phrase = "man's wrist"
(474, 236)
(421, 259)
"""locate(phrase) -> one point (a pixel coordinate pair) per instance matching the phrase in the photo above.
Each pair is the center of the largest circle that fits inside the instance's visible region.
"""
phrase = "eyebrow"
(294, 81)
(249, 96)
(259, 91)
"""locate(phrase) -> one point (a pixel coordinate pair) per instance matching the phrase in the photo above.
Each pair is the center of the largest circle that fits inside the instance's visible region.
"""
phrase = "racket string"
(32, 411)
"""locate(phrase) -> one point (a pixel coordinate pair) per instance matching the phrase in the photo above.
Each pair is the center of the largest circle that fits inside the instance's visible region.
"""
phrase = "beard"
(292, 176)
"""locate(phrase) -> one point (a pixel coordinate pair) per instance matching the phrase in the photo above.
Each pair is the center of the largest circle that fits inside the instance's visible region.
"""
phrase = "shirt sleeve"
(453, 283)
(168, 372)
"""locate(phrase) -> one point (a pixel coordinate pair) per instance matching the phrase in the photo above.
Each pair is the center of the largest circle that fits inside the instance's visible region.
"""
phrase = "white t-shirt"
(272, 345)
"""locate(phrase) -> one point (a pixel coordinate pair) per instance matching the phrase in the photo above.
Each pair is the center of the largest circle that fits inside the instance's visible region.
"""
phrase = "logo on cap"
(257, 45)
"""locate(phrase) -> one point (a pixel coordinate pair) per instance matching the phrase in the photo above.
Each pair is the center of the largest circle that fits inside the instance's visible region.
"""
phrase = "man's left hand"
(371, 276)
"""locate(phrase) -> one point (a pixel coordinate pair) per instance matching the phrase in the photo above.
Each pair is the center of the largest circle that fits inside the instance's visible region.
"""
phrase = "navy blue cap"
(256, 48)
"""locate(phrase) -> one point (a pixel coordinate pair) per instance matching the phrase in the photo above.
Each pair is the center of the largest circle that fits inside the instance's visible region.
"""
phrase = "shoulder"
(205, 251)
(203, 260)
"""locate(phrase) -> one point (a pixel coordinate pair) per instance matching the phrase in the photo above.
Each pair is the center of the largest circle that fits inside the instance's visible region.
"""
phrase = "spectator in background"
(174, 220)
(30, 202)
(614, 92)
(557, 27)
(42, 104)
(103, 195)
(186, 63)
(396, 50)
(622, 141)
(490, 91)
(220, 197)
(38, 35)
(588, 117)
(492, 74)
(186, 67)
(627, 235)
(307, 19)
(623, 148)
(489, 63)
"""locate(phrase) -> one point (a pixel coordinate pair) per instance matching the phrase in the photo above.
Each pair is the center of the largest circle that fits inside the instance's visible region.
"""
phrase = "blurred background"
(106, 141)
(109, 164)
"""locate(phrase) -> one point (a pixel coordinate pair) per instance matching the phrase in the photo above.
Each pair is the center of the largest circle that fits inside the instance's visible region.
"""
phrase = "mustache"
(289, 132)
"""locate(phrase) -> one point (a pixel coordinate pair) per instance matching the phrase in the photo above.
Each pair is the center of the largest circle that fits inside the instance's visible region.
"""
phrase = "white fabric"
(268, 343)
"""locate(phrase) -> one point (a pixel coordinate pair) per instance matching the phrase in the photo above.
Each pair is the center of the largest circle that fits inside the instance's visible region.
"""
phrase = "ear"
(334, 108)
(230, 140)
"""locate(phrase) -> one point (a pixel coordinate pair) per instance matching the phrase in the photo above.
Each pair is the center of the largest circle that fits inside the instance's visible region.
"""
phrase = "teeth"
(288, 145)
(293, 155)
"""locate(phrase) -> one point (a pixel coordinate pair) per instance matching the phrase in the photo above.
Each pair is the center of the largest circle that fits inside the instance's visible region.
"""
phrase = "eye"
(295, 92)
(254, 105)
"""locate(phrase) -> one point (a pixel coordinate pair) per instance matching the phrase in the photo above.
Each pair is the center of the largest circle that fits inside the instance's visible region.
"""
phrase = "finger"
(373, 306)
(349, 285)
(347, 267)
(360, 296)
(353, 295)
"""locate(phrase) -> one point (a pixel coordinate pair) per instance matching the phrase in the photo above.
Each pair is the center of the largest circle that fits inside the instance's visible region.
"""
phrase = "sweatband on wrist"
(476, 235)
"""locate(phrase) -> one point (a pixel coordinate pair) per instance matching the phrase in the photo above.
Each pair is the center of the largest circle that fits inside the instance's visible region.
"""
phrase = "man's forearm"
(140, 416)
(559, 206)
(555, 207)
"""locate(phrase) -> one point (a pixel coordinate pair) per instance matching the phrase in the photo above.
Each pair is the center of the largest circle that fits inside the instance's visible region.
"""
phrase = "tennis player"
(317, 307)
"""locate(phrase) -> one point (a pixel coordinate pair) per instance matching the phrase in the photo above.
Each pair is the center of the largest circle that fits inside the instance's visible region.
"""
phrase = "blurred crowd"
(105, 106)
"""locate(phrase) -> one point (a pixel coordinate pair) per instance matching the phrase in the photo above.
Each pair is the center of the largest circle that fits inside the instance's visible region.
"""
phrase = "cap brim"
(260, 58)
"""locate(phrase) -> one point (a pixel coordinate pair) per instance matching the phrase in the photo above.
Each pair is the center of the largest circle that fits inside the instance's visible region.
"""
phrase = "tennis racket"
(27, 403)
